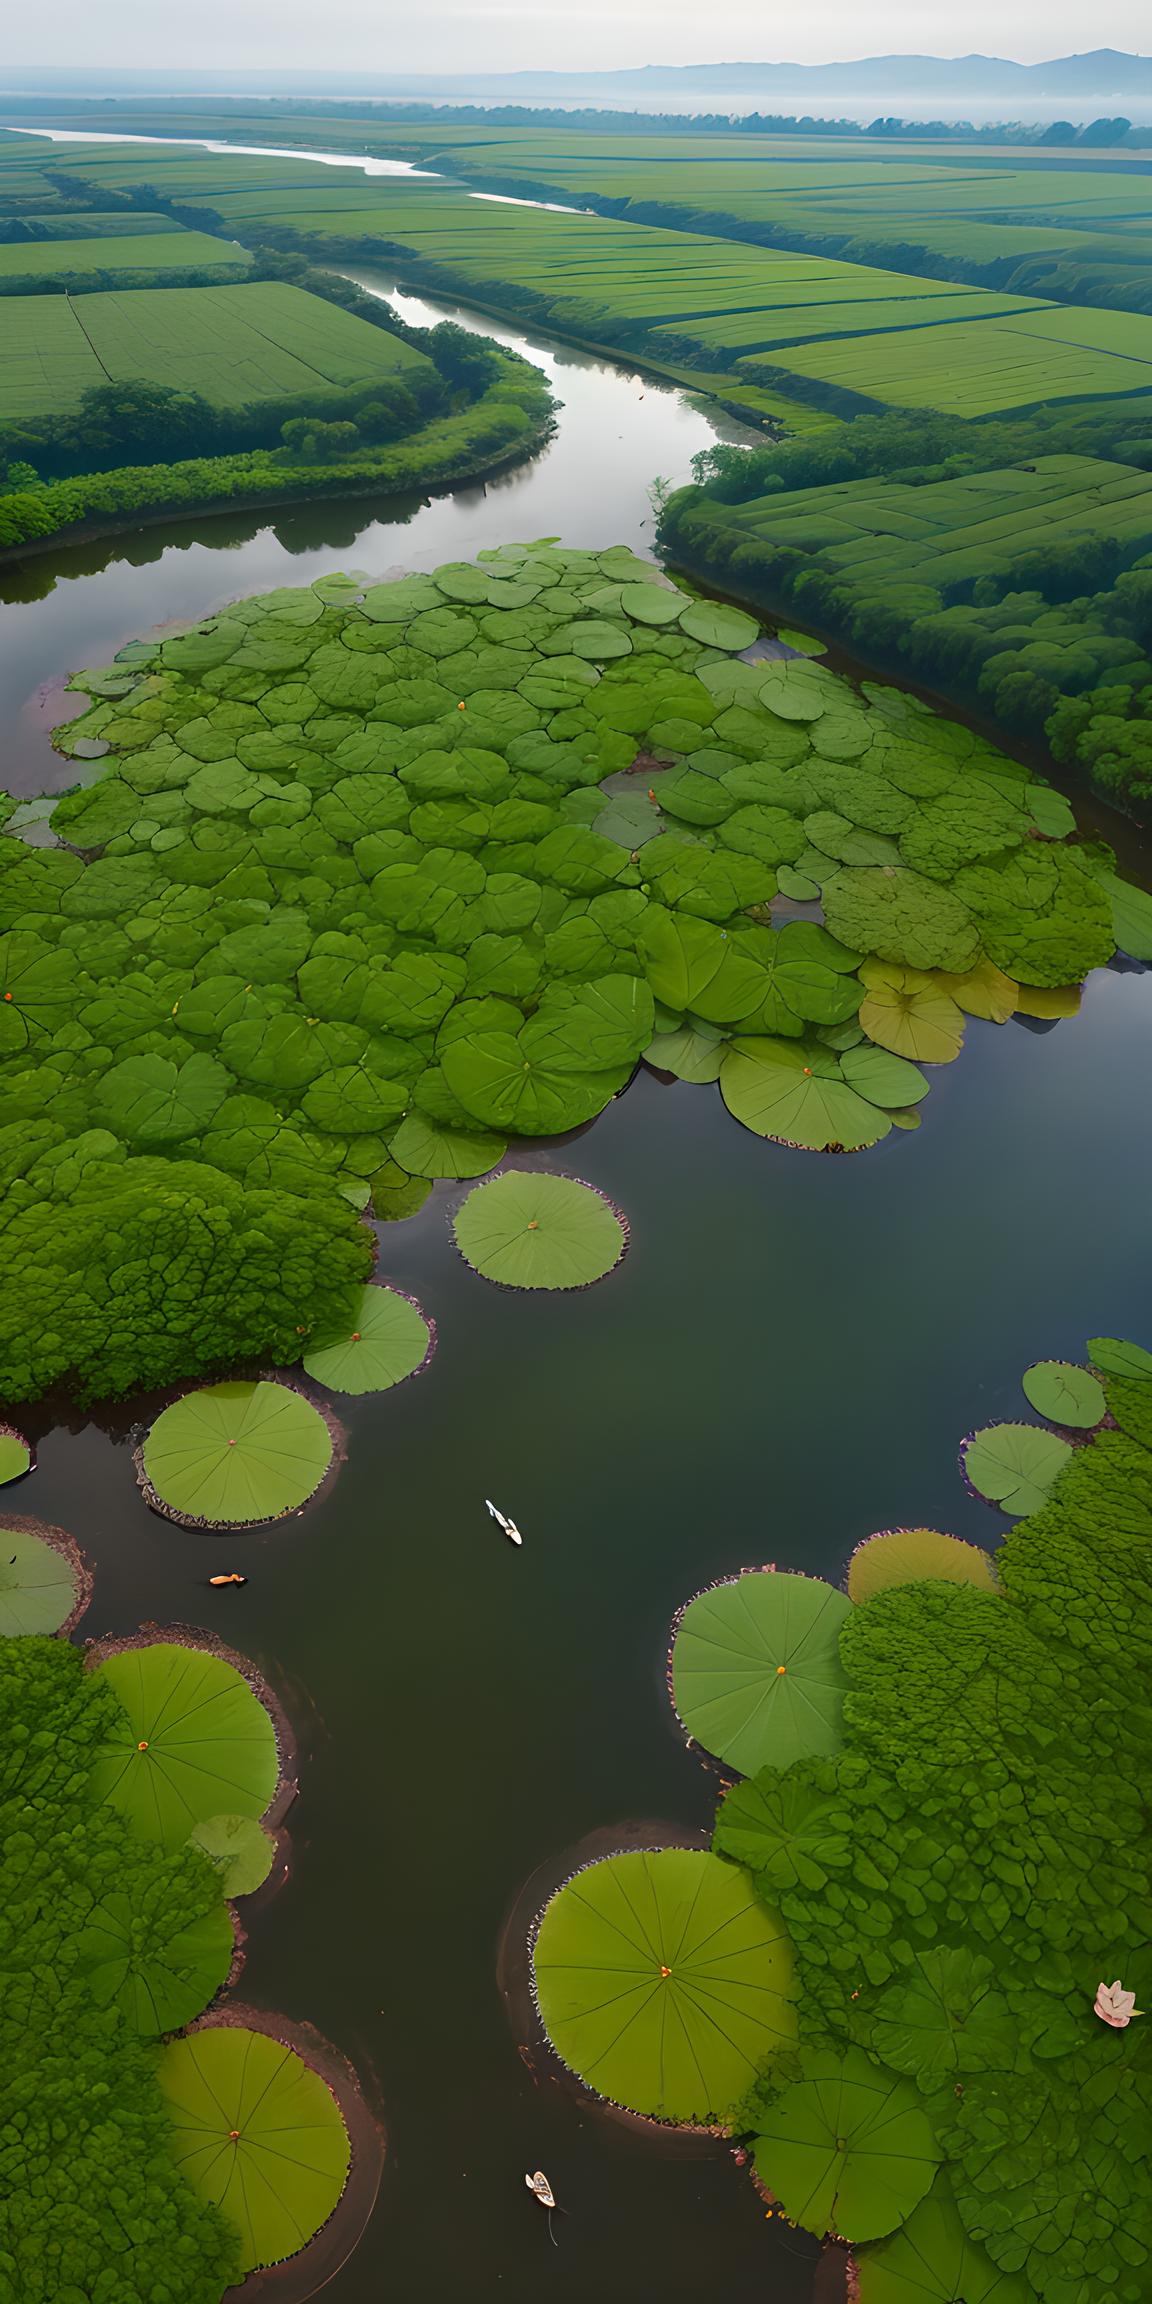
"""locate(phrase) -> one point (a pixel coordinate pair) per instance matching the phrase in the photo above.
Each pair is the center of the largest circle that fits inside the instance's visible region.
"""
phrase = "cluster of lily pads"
(365, 879)
(882, 1978)
(138, 1796)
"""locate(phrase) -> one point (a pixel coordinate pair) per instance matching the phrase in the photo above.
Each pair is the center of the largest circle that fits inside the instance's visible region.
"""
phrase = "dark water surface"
(785, 1362)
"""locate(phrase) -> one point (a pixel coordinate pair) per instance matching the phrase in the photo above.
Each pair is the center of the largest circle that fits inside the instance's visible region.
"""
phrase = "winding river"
(785, 1362)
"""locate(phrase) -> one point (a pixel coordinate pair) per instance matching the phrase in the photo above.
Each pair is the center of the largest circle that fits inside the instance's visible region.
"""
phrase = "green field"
(828, 326)
(122, 252)
(836, 333)
(233, 345)
(953, 532)
(84, 224)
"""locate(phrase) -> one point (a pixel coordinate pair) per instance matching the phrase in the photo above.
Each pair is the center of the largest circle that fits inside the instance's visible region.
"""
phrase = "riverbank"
(513, 418)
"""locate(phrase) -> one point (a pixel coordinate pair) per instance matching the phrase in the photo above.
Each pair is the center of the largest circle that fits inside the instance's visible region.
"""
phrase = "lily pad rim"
(718, 1583)
(1017, 1423)
(648, 1845)
(61, 1541)
(201, 1641)
(510, 1287)
(364, 2126)
(336, 1433)
(922, 1530)
(287, 1381)
(12, 1432)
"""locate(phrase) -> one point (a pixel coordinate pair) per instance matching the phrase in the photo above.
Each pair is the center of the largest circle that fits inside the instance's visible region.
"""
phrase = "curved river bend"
(786, 1361)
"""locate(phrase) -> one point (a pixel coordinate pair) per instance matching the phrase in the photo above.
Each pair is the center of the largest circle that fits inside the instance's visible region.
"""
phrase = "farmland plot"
(233, 345)
(121, 252)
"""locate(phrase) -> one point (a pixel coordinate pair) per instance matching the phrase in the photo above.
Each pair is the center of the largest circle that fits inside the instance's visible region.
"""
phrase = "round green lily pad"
(532, 1231)
(241, 1848)
(931, 2260)
(194, 1740)
(425, 1149)
(40, 1584)
(259, 2133)
(159, 1980)
(848, 2150)
(756, 1671)
(651, 603)
(664, 1983)
(786, 1832)
(1115, 1357)
(386, 1339)
(1065, 1394)
(784, 1090)
(942, 2015)
(235, 1454)
(803, 642)
(15, 1455)
(717, 626)
(907, 1555)
(882, 1078)
(1014, 1465)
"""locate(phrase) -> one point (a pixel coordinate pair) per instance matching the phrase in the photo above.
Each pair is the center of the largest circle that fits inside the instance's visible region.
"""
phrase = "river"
(785, 1362)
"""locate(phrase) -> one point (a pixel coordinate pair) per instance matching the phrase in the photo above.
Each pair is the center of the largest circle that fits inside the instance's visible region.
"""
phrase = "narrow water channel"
(785, 1362)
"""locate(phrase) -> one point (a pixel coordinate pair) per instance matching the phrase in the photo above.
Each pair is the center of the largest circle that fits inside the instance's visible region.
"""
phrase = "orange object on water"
(233, 1578)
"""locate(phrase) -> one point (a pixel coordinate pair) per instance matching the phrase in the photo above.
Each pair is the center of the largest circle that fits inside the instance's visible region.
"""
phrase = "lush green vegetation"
(318, 456)
(1007, 566)
(965, 2103)
(364, 888)
(91, 2201)
(117, 1868)
(1076, 234)
(846, 334)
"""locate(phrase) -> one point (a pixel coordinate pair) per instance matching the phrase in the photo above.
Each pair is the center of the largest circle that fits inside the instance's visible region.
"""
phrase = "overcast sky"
(475, 35)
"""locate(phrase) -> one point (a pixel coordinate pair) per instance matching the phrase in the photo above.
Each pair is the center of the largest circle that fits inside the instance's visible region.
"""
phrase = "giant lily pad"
(718, 626)
(258, 2132)
(531, 1231)
(241, 1849)
(159, 1980)
(931, 2260)
(235, 1454)
(786, 1832)
(983, 991)
(798, 1095)
(1115, 1357)
(908, 1555)
(425, 1149)
(1131, 916)
(15, 1455)
(906, 1011)
(848, 2150)
(901, 917)
(883, 1079)
(944, 2015)
(664, 1982)
(756, 1671)
(194, 1737)
(385, 1339)
(1014, 1465)
(1065, 1394)
(39, 1583)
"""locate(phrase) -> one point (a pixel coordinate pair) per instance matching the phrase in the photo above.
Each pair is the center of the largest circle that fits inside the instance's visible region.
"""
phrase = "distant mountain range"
(1105, 75)
(1105, 72)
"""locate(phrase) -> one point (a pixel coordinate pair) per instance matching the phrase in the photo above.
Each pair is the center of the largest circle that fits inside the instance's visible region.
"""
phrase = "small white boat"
(510, 1530)
(541, 2188)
